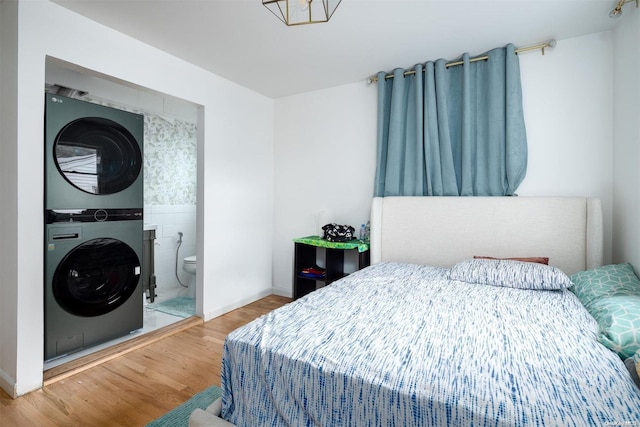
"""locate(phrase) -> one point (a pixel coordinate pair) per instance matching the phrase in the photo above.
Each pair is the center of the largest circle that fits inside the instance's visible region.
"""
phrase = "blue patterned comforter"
(401, 345)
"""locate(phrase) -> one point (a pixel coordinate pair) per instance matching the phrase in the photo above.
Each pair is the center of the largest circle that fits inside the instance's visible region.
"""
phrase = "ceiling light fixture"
(617, 11)
(301, 12)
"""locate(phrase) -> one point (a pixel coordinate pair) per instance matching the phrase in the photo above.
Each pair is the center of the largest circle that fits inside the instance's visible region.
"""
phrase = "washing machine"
(93, 283)
(93, 155)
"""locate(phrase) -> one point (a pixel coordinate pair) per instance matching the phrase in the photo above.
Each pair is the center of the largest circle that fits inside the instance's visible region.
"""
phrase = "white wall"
(235, 170)
(626, 190)
(325, 153)
(325, 144)
(568, 103)
(8, 192)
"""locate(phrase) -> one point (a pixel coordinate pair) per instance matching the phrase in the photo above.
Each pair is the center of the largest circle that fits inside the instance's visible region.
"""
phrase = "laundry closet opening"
(167, 261)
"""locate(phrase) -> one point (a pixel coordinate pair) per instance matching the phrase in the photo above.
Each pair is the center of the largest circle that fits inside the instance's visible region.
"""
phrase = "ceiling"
(244, 42)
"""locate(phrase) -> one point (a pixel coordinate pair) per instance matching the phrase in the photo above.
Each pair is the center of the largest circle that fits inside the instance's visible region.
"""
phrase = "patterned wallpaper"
(170, 158)
(169, 161)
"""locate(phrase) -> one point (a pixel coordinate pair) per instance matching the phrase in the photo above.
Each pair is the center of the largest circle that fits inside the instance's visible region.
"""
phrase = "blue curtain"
(456, 131)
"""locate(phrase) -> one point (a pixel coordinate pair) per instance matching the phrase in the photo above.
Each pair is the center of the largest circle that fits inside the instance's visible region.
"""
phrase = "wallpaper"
(169, 161)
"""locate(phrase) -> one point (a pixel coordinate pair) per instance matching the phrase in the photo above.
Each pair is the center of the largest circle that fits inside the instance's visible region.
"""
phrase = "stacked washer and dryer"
(93, 224)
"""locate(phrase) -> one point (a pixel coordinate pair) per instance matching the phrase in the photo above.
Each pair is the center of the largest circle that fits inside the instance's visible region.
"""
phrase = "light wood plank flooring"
(139, 386)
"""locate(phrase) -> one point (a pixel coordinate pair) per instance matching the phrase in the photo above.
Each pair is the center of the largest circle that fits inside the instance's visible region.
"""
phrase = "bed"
(429, 335)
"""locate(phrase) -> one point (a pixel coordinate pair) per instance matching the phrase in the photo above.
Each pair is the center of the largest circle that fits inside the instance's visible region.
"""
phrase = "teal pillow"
(618, 320)
(606, 281)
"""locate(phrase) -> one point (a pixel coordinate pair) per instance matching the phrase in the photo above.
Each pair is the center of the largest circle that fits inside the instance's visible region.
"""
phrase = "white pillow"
(510, 274)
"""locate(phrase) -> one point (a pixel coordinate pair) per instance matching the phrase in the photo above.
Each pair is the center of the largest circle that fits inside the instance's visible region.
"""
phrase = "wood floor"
(137, 387)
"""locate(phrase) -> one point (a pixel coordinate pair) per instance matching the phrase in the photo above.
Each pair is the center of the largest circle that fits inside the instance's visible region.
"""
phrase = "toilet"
(189, 265)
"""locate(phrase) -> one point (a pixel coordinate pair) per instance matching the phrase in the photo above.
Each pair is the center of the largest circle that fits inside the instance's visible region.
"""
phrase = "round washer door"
(97, 155)
(96, 277)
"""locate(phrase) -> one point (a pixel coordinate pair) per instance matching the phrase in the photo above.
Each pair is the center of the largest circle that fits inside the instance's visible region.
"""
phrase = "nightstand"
(306, 251)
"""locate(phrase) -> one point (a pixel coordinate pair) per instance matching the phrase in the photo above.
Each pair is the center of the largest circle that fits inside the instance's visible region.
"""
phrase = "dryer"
(93, 291)
(93, 155)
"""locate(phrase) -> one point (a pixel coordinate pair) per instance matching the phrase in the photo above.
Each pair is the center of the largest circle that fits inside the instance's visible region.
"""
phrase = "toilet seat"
(189, 266)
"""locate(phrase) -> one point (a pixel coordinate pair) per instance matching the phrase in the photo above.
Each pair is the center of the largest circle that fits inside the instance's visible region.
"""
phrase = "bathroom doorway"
(170, 192)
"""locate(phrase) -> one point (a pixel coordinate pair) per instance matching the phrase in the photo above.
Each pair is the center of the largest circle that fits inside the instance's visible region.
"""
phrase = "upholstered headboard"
(444, 230)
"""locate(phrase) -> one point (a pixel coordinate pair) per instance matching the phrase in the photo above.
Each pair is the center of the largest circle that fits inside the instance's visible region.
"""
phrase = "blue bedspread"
(401, 345)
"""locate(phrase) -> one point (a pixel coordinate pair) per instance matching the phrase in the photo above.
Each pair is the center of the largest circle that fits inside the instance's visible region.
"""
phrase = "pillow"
(618, 320)
(538, 259)
(605, 281)
(511, 274)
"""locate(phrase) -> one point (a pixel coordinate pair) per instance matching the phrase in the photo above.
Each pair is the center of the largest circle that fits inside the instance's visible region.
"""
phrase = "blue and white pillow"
(510, 274)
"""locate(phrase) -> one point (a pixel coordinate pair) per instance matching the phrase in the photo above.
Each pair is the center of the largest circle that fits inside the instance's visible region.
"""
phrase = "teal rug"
(179, 417)
(180, 306)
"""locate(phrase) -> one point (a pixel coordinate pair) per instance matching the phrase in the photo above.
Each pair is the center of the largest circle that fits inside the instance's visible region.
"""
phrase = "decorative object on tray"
(338, 233)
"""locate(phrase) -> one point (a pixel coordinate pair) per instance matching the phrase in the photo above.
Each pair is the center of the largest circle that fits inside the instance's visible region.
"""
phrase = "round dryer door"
(96, 277)
(97, 155)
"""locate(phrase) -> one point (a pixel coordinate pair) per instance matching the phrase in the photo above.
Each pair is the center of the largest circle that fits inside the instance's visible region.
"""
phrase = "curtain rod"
(541, 46)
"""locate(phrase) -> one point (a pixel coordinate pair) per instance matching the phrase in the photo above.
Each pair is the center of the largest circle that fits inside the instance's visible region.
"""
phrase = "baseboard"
(240, 303)
(282, 292)
(8, 384)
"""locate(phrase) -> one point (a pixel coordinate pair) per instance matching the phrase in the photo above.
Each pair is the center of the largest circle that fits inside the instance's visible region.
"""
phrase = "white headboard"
(441, 231)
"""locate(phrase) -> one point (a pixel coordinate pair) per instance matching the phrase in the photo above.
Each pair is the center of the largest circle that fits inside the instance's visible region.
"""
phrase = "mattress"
(402, 345)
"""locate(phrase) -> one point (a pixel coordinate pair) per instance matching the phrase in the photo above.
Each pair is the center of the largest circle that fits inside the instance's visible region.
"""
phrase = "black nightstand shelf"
(306, 249)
